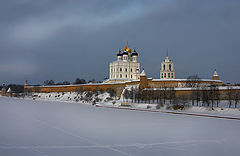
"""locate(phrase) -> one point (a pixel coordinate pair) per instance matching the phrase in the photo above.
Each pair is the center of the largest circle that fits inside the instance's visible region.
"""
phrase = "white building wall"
(124, 70)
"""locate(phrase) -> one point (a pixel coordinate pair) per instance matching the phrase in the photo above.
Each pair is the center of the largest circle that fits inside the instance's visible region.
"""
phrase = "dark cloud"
(62, 40)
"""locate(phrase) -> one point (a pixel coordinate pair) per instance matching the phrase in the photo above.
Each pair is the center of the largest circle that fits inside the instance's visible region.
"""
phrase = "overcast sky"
(65, 39)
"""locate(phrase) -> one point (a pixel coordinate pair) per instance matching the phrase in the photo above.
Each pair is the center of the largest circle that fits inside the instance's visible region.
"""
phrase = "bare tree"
(126, 95)
(111, 92)
(180, 102)
(229, 95)
(192, 81)
(217, 96)
(49, 82)
(236, 97)
(131, 94)
(171, 94)
(164, 93)
(79, 81)
(205, 96)
(212, 94)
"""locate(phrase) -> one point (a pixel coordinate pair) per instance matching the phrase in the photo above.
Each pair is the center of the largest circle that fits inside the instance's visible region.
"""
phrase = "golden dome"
(127, 49)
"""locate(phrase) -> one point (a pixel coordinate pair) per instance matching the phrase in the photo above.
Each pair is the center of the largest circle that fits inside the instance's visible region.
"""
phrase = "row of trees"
(77, 81)
(208, 96)
(14, 88)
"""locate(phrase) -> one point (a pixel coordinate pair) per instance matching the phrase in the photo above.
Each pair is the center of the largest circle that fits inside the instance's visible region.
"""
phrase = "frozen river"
(44, 128)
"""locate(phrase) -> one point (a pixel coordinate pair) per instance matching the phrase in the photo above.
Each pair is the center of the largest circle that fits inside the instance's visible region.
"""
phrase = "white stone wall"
(124, 69)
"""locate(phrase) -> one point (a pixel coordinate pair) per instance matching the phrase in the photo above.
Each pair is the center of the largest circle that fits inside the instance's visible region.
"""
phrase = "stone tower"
(215, 75)
(167, 69)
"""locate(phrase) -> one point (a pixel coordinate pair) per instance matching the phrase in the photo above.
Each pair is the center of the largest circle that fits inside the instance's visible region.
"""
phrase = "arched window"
(168, 75)
(125, 69)
(131, 76)
(120, 69)
(120, 75)
(164, 67)
(170, 67)
(126, 75)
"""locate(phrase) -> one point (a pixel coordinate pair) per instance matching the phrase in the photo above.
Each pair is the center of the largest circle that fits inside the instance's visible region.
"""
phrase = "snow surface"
(37, 128)
(74, 97)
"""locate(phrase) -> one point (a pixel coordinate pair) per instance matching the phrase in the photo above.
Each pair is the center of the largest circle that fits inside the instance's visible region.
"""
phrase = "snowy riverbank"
(104, 99)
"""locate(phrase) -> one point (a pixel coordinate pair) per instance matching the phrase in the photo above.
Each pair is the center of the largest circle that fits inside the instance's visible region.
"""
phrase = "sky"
(65, 39)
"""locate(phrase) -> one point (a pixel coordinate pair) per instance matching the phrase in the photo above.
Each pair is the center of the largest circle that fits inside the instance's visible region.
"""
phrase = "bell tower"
(167, 69)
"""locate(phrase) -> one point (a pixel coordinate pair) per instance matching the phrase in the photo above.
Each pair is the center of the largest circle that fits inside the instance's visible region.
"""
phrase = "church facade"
(126, 67)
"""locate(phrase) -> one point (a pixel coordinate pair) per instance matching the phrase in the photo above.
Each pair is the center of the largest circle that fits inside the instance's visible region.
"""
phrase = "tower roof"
(215, 73)
(127, 49)
(143, 73)
(9, 90)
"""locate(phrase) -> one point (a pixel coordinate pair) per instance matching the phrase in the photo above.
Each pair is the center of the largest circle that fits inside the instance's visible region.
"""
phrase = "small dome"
(119, 53)
(125, 53)
(135, 53)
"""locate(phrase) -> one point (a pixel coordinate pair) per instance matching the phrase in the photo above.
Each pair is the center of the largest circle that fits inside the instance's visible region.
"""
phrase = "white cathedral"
(127, 67)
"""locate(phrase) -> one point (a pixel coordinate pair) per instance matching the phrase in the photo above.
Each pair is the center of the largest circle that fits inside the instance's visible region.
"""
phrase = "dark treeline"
(206, 96)
(14, 88)
(77, 81)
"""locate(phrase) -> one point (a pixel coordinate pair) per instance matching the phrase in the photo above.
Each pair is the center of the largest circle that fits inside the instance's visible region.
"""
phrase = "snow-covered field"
(103, 100)
(33, 128)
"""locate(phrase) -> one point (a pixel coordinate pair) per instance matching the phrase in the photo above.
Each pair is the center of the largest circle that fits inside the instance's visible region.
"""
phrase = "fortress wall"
(118, 87)
(73, 88)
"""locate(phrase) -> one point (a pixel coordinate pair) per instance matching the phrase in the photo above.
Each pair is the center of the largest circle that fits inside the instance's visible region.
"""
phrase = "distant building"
(126, 67)
(167, 69)
(125, 71)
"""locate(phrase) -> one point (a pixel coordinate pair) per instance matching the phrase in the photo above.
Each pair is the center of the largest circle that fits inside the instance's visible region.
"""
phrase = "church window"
(168, 75)
(172, 75)
(120, 75)
(162, 75)
(164, 67)
(131, 69)
(165, 75)
(170, 67)
(120, 69)
(125, 69)
(126, 75)
(131, 76)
